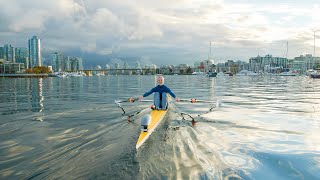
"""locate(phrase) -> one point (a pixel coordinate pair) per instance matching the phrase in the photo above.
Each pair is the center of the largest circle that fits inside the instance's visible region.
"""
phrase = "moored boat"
(198, 73)
(288, 73)
(316, 76)
(212, 74)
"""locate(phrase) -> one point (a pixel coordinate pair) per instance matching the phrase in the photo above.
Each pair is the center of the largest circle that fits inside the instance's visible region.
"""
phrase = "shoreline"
(24, 75)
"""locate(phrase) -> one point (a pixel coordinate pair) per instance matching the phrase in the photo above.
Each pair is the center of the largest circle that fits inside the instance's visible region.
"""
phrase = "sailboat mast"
(314, 48)
(287, 51)
(210, 51)
(314, 44)
(209, 57)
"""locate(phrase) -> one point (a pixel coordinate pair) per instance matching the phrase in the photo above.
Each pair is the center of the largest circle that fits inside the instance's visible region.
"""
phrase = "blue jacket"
(160, 89)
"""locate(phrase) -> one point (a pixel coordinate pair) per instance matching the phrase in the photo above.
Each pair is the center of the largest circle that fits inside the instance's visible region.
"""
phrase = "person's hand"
(177, 99)
(131, 99)
(140, 98)
(193, 100)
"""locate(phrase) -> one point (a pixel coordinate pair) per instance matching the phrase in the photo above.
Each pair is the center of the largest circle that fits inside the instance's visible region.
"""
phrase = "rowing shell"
(156, 117)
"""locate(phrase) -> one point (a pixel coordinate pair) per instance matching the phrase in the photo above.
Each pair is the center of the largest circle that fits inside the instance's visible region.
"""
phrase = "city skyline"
(163, 32)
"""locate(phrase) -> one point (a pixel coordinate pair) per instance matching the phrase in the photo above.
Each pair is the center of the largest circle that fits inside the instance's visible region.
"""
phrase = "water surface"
(263, 128)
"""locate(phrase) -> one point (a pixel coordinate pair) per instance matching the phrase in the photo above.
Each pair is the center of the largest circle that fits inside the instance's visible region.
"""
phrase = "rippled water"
(263, 128)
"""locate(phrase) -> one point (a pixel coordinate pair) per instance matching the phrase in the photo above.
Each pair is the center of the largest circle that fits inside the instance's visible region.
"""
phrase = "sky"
(163, 31)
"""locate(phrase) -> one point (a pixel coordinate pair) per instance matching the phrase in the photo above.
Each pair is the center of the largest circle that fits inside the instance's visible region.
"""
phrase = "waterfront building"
(11, 68)
(181, 69)
(1, 53)
(150, 69)
(137, 65)
(107, 66)
(116, 65)
(198, 66)
(76, 64)
(57, 62)
(316, 63)
(280, 62)
(66, 63)
(305, 62)
(267, 63)
(9, 53)
(220, 67)
(167, 69)
(21, 52)
(34, 47)
(21, 56)
(297, 65)
(208, 65)
(125, 65)
(242, 65)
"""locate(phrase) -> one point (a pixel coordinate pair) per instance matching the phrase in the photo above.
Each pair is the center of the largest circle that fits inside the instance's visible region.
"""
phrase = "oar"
(131, 100)
(126, 100)
(195, 101)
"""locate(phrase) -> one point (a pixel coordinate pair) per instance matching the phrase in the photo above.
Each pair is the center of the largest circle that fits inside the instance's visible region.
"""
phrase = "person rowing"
(160, 95)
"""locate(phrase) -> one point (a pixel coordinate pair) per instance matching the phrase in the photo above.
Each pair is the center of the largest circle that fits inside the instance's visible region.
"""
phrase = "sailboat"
(314, 73)
(209, 73)
(290, 72)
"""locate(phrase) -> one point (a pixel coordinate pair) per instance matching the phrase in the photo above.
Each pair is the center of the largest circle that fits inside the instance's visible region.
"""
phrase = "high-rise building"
(57, 62)
(76, 64)
(21, 52)
(9, 53)
(34, 52)
(21, 56)
(1, 53)
(66, 63)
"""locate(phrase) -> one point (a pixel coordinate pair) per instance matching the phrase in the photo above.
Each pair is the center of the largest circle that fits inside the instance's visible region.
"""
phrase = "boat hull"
(315, 76)
(214, 74)
(156, 118)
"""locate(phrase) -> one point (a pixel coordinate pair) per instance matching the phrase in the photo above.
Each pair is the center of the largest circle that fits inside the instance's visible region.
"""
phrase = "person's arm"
(148, 93)
(170, 92)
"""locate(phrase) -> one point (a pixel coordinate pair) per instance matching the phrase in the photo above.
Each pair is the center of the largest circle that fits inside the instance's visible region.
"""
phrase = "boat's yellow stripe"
(156, 117)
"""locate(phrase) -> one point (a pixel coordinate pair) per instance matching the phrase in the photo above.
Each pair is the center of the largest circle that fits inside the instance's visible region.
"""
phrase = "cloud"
(161, 31)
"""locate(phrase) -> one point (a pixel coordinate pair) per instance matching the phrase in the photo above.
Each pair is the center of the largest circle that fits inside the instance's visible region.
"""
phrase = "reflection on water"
(264, 128)
(36, 95)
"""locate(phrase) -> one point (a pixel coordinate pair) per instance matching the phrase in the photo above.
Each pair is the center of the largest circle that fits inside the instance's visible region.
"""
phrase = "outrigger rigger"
(152, 120)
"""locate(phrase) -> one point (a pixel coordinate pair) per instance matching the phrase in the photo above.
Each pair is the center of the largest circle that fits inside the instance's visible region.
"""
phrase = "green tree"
(39, 70)
(189, 70)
